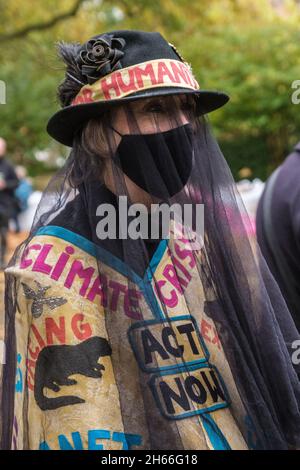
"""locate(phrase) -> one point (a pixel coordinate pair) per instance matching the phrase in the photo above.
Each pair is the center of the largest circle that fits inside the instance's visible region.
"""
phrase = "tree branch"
(41, 26)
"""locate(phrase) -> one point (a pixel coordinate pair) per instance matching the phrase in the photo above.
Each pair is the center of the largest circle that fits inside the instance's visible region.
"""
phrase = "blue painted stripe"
(155, 260)
(109, 259)
(215, 435)
(152, 300)
(91, 248)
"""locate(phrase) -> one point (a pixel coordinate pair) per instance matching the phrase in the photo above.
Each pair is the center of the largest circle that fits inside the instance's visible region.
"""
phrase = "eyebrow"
(165, 99)
(155, 99)
(141, 104)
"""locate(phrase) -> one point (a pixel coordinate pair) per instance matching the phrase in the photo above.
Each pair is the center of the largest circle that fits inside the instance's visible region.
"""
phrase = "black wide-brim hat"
(123, 66)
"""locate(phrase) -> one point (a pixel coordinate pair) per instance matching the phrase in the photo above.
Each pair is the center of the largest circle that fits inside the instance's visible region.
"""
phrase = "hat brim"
(63, 125)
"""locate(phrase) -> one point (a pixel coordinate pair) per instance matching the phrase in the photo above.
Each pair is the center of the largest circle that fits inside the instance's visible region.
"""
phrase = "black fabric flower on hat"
(100, 56)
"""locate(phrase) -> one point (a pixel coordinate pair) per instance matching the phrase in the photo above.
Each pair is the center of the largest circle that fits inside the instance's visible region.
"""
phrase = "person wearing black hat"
(128, 329)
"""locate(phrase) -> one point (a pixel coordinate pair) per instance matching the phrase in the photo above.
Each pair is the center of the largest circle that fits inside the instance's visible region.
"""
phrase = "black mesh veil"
(154, 342)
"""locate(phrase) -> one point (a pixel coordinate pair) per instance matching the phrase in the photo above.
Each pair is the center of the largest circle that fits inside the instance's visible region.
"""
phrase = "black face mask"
(159, 163)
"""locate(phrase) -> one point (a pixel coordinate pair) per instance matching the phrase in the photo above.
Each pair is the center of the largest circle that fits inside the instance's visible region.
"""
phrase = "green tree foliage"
(248, 49)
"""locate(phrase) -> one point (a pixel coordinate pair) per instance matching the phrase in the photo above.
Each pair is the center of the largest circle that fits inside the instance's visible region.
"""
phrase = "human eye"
(188, 106)
(155, 107)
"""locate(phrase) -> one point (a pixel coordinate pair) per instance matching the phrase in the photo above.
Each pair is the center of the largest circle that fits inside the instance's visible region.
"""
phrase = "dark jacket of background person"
(285, 223)
(8, 202)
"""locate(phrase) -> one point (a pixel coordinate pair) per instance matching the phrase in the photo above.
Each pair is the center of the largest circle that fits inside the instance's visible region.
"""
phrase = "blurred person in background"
(8, 201)
(278, 229)
(22, 193)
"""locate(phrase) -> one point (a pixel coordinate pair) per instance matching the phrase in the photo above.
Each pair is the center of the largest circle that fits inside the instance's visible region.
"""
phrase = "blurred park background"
(249, 49)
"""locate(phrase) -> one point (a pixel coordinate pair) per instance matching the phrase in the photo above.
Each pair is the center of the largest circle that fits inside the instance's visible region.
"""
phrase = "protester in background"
(278, 229)
(8, 202)
(22, 193)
